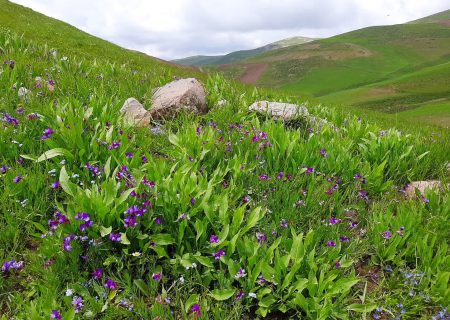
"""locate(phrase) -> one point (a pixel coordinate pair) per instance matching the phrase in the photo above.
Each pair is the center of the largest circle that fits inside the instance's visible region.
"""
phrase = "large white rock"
(179, 95)
(421, 186)
(280, 110)
(134, 113)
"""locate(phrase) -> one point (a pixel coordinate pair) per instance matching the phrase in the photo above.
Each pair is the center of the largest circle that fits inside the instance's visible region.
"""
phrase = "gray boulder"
(421, 186)
(177, 96)
(280, 110)
(135, 114)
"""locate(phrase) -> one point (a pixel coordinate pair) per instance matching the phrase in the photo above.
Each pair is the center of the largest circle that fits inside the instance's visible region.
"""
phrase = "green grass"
(239, 176)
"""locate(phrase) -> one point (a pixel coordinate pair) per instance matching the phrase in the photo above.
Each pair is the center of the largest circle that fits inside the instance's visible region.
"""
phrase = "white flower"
(69, 292)
(182, 280)
(252, 295)
(63, 162)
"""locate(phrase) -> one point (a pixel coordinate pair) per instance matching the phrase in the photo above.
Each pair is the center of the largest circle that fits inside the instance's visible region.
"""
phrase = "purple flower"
(196, 310)
(157, 276)
(77, 302)
(386, 234)
(337, 264)
(334, 221)
(261, 237)
(280, 175)
(3, 169)
(261, 280)
(47, 134)
(263, 177)
(344, 239)
(144, 159)
(331, 243)
(33, 116)
(283, 223)
(67, 245)
(116, 237)
(219, 254)
(56, 185)
(55, 315)
(10, 119)
(129, 155)
(59, 218)
(192, 201)
(363, 195)
(97, 274)
(240, 295)
(352, 224)
(111, 284)
(323, 153)
(12, 265)
(114, 145)
(214, 239)
(310, 170)
(158, 221)
(241, 273)
(17, 179)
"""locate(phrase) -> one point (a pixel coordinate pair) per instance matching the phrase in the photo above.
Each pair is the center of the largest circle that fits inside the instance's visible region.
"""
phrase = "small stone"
(280, 110)
(410, 190)
(135, 113)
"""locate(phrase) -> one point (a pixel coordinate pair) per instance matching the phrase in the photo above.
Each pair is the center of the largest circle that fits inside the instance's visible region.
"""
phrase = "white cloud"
(178, 28)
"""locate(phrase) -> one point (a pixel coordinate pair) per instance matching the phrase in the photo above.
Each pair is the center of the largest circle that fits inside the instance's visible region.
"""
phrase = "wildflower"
(129, 155)
(158, 221)
(219, 254)
(3, 169)
(283, 223)
(192, 201)
(12, 63)
(59, 218)
(261, 237)
(240, 295)
(47, 134)
(241, 273)
(114, 145)
(69, 292)
(331, 243)
(363, 195)
(83, 216)
(111, 284)
(10, 119)
(344, 239)
(274, 233)
(337, 264)
(17, 179)
(389, 268)
(12, 265)
(263, 177)
(77, 302)
(246, 199)
(33, 116)
(252, 295)
(310, 170)
(144, 159)
(334, 221)
(323, 153)
(156, 276)
(130, 221)
(97, 274)
(67, 242)
(214, 239)
(386, 234)
(196, 310)
(280, 175)
(56, 185)
(261, 280)
(400, 232)
(115, 237)
(55, 315)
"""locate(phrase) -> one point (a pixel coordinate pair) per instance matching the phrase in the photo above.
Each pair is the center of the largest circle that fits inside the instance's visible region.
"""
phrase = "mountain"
(386, 68)
(240, 55)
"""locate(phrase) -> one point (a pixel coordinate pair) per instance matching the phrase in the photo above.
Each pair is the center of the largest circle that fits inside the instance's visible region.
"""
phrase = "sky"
(171, 29)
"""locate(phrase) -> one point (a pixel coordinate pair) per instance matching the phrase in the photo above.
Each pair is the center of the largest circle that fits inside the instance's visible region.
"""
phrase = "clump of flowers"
(83, 216)
(111, 284)
(78, 303)
(58, 218)
(12, 265)
(47, 134)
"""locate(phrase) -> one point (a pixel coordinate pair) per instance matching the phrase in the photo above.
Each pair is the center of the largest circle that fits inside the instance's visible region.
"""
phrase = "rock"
(177, 96)
(410, 190)
(157, 131)
(135, 113)
(280, 110)
(22, 92)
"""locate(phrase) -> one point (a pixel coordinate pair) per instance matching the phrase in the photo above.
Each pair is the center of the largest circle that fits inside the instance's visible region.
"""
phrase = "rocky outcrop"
(135, 114)
(178, 96)
(279, 110)
(421, 186)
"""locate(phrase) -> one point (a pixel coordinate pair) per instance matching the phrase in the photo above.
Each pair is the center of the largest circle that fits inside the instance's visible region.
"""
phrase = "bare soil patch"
(253, 72)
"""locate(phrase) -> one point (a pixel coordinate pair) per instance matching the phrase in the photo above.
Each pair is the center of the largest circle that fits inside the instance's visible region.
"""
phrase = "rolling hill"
(385, 68)
(240, 55)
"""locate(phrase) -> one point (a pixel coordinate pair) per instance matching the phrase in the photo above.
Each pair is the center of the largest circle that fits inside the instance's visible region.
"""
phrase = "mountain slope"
(70, 40)
(240, 55)
(364, 68)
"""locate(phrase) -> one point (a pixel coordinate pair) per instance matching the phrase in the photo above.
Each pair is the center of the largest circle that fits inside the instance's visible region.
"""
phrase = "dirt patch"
(253, 72)
(445, 23)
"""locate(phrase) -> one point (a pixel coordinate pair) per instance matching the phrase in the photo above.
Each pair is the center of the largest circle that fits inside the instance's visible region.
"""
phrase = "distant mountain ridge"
(241, 55)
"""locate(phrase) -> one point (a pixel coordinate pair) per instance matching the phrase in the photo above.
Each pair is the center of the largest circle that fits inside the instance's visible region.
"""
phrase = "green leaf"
(54, 153)
(142, 286)
(221, 295)
(108, 167)
(204, 261)
(67, 186)
(253, 219)
(267, 301)
(29, 157)
(105, 231)
(163, 239)
(362, 307)
(124, 240)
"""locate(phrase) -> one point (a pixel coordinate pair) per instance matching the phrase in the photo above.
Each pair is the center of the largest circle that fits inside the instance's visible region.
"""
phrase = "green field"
(388, 68)
(226, 215)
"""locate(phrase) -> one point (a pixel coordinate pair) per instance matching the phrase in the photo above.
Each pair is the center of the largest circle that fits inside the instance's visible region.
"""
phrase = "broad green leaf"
(252, 219)
(362, 307)
(204, 261)
(142, 286)
(68, 187)
(124, 239)
(221, 295)
(193, 299)
(162, 239)
(54, 153)
(105, 231)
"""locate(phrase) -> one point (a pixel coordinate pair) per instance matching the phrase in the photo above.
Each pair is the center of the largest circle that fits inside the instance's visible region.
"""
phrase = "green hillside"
(237, 56)
(225, 215)
(387, 68)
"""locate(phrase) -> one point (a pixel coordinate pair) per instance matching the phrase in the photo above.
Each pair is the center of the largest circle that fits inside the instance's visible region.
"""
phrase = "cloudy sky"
(172, 29)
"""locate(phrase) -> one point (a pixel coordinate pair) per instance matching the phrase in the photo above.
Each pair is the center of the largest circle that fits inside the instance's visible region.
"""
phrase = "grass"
(312, 221)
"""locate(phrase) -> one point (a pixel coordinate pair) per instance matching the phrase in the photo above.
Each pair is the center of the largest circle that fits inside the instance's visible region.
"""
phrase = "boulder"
(410, 190)
(135, 113)
(177, 96)
(280, 110)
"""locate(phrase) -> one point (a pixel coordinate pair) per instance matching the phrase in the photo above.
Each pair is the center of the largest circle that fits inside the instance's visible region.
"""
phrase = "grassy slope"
(70, 40)
(226, 167)
(366, 67)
